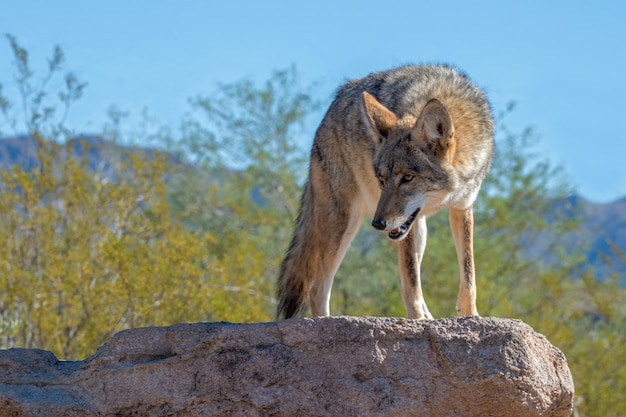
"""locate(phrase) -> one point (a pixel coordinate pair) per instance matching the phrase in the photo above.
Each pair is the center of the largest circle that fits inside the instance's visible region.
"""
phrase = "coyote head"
(412, 163)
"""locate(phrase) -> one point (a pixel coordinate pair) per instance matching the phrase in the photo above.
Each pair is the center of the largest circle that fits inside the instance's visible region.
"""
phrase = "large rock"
(339, 366)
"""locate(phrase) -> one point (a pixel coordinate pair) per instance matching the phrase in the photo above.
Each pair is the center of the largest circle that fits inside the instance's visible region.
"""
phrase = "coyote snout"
(395, 232)
(398, 146)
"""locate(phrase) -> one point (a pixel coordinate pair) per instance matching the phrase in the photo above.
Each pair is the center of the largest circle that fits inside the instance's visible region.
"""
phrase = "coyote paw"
(473, 313)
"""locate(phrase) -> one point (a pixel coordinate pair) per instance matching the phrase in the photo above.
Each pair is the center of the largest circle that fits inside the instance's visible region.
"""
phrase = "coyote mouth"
(401, 232)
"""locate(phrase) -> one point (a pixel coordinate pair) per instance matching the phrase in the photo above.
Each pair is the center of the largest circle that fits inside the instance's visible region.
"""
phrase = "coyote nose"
(379, 224)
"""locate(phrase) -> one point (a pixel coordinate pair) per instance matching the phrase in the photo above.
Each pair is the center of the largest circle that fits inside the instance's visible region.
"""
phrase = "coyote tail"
(295, 271)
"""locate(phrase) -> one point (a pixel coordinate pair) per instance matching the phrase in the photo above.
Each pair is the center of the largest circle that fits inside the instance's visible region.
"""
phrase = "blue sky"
(562, 62)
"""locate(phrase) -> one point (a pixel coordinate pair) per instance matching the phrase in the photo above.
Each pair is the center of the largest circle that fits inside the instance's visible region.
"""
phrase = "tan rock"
(336, 366)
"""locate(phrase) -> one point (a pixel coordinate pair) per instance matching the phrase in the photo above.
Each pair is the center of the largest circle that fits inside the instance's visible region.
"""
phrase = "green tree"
(244, 139)
(38, 108)
(87, 251)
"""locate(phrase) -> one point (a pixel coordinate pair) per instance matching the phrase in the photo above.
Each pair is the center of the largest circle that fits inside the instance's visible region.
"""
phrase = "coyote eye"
(407, 178)
(381, 180)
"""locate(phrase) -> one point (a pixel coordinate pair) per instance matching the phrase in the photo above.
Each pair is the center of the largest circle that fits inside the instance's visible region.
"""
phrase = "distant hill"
(22, 151)
(602, 230)
(19, 150)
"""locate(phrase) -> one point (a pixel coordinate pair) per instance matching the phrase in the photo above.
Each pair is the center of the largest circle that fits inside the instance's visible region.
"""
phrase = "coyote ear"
(436, 126)
(377, 116)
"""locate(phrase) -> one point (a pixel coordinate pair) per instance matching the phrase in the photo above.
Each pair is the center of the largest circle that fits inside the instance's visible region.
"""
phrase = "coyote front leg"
(462, 226)
(410, 253)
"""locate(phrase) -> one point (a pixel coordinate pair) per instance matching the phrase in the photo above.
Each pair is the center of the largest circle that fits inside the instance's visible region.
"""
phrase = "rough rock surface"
(337, 366)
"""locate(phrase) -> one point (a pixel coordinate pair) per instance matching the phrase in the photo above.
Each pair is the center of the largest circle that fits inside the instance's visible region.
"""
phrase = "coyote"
(396, 146)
